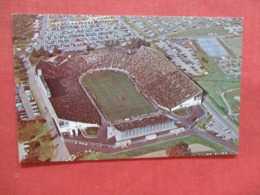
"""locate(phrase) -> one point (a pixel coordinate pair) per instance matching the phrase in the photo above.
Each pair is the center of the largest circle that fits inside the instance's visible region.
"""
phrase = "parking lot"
(182, 53)
(25, 103)
(73, 31)
(231, 66)
(151, 27)
(220, 130)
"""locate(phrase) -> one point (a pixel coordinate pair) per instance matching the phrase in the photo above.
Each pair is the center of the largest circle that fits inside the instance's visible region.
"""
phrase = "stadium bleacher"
(156, 76)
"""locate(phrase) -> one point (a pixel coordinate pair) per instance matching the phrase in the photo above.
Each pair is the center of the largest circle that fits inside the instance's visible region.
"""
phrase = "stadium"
(126, 95)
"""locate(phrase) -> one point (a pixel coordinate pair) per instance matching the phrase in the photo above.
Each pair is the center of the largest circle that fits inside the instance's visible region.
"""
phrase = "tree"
(137, 43)
(34, 53)
(56, 50)
(41, 51)
(181, 149)
(117, 43)
(47, 53)
(89, 48)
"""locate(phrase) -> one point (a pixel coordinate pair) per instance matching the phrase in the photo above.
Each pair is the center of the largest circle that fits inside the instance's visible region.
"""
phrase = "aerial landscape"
(117, 87)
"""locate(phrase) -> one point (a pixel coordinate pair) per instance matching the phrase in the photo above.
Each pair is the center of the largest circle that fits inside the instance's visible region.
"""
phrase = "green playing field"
(115, 95)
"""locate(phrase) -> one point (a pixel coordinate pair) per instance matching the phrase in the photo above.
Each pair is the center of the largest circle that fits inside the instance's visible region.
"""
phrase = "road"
(221, 119)
(62, 152)
(82, 146)
(45, 21)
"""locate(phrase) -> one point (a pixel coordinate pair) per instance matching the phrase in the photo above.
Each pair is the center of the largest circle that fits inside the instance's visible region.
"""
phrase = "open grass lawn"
(233, 101)
(202, 32)
(228, 50)
(235, 43)
(215, 83)
(181, 112)
(116, 95)
(155, 147)
(92, 131)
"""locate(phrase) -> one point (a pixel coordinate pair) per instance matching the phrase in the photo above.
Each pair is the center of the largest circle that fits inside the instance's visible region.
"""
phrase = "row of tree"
(135, 43)
(42, 52)
(181, 149)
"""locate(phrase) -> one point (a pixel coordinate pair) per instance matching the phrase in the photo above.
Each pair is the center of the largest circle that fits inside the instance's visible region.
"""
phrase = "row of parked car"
(24, 111)
(20, 108)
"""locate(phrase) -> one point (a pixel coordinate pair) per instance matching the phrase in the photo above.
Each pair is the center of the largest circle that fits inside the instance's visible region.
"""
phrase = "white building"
(123, 137)
(193, 101)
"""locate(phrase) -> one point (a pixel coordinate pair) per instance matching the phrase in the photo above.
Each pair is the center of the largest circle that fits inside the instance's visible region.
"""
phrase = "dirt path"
(157, 154)
(199, 148)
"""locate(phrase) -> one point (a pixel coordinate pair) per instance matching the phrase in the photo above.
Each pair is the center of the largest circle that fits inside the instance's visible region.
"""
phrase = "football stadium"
(127, 95)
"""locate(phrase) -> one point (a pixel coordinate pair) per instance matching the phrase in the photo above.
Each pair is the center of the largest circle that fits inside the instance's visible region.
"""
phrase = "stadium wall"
(43, 84)
(70, 126)
(195, 100)
(137, 132)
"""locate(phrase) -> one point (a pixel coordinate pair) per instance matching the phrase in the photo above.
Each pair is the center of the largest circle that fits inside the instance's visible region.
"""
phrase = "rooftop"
(142, 123)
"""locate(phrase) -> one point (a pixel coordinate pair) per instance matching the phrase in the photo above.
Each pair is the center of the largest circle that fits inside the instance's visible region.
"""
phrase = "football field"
(115, 95)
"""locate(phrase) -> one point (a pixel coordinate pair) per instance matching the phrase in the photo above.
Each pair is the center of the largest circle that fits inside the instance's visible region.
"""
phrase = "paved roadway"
(215, 139)
(82, 148)
(43, 34)
(62, 152)
(221, 119)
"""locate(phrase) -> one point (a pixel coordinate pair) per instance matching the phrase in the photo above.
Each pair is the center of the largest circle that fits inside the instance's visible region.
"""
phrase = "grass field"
(202, 32)
(155, 147)
(215, 83)
(92, 131)
(181, 112)
(235, 44)
(115, 95)
(233, 101)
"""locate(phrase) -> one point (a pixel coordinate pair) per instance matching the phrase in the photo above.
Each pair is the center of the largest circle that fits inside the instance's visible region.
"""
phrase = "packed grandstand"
(156, 77)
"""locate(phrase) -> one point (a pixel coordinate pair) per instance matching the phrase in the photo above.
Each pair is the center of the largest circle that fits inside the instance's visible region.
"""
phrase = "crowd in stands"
(71, 103)
(155, 74)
